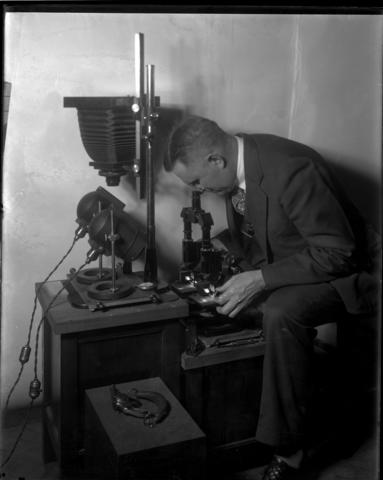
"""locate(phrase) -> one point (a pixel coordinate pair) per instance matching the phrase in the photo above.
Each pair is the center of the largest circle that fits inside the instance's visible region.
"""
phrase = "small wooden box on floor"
(119, 446)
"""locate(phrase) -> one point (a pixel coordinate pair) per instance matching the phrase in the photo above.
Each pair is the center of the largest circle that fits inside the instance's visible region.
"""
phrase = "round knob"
(135, 108)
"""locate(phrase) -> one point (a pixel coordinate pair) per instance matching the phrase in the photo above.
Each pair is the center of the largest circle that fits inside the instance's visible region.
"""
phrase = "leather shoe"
(278, 470)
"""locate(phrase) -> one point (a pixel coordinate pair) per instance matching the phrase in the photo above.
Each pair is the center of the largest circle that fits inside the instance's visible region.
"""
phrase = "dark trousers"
(289, 319)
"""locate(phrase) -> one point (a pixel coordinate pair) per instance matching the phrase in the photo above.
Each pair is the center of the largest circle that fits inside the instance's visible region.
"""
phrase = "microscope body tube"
(196, 201)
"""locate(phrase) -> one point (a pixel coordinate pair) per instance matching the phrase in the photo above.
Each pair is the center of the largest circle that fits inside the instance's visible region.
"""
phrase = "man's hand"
(218, 245)
(239, 291)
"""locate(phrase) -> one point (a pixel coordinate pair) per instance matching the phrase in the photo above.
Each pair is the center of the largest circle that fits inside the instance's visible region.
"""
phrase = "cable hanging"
(35, 385)
(26, 349)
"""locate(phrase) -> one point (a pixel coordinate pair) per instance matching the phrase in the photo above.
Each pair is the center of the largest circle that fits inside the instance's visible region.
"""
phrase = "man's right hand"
(218, 245)
(239, 291)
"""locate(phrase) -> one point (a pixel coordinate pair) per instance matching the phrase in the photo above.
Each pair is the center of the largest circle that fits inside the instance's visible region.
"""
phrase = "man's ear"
(217, 160)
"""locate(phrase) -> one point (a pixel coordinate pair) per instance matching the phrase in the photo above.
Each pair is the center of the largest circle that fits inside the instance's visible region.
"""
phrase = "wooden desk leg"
(49, 454)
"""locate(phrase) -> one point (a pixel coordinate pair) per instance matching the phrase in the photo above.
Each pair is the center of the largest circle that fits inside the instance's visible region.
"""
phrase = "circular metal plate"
(92, 275)
(104, 291)
(146, 286)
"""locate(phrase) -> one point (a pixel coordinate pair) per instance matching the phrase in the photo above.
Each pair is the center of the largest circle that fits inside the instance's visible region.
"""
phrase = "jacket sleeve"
(310, 203)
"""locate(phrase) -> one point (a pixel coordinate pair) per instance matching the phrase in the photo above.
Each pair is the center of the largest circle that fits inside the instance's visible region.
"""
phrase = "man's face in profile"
(211, 173)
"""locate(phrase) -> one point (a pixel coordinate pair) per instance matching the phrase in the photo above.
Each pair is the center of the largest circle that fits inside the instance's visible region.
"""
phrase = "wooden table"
(222, 393)
(85, 349)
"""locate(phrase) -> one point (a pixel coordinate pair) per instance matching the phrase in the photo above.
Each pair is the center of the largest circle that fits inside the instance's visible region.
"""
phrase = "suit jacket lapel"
(256, 199)
(234, 227)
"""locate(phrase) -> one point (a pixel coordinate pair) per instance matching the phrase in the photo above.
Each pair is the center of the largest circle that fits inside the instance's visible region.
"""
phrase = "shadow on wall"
(168, 118)
(362, 190)
(167, 193)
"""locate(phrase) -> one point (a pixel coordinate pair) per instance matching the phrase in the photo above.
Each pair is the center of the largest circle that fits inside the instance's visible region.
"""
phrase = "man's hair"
(191, 136)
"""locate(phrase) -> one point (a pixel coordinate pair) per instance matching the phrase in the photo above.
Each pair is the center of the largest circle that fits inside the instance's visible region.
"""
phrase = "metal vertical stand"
(150, 271)
(144, 108)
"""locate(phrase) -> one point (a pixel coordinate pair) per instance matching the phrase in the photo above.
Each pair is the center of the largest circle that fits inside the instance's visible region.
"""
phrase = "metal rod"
(139, 64)
(150, 93)
(112, 240)
(139, 91)
(149, 162)
(100, 257)
(150, 271)
(100, 267)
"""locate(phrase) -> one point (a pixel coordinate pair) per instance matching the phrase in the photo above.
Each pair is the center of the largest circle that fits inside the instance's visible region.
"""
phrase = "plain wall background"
(313, 78)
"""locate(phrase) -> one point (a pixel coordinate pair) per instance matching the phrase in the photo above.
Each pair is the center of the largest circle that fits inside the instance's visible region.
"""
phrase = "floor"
(26, 463)
(362, 465)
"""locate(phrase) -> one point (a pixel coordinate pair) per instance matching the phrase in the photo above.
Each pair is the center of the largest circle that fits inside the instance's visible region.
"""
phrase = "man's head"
(203, 156)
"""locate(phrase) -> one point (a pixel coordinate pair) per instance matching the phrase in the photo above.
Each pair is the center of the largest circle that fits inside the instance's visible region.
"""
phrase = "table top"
(64, 318)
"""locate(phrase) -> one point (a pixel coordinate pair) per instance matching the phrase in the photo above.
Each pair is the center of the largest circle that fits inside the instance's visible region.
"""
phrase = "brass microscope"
(204, 267)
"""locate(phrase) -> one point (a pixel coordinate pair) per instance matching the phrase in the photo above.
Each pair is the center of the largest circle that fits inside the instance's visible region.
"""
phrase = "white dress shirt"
(241, 164)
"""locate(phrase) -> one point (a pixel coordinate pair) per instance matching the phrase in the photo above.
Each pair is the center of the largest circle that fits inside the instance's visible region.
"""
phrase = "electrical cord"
(35, 386)
(34, 390)
(26, 350)
(20, 434)
(44, 314)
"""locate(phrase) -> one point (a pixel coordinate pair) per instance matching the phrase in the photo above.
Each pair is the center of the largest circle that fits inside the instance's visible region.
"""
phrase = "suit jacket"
(299, 227)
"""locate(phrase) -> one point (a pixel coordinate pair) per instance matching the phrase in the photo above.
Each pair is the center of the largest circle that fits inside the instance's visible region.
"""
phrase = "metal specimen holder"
(89, 206)
(91, 275)
(111, 289)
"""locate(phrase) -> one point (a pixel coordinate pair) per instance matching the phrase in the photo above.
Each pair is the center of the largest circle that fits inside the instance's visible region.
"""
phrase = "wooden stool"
(120, 446)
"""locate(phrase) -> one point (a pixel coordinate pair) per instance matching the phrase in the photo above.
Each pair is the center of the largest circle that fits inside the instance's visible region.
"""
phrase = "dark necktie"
(238, 199)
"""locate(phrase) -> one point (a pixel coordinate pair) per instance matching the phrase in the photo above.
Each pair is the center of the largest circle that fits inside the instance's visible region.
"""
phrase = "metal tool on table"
(130, 403)
(198, 339)
(252, 337)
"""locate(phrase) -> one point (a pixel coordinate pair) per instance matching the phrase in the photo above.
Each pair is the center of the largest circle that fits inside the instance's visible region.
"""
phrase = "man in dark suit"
(306, 254)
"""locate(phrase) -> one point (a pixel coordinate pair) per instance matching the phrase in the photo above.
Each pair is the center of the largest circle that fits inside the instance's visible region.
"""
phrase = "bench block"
(120, 446)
